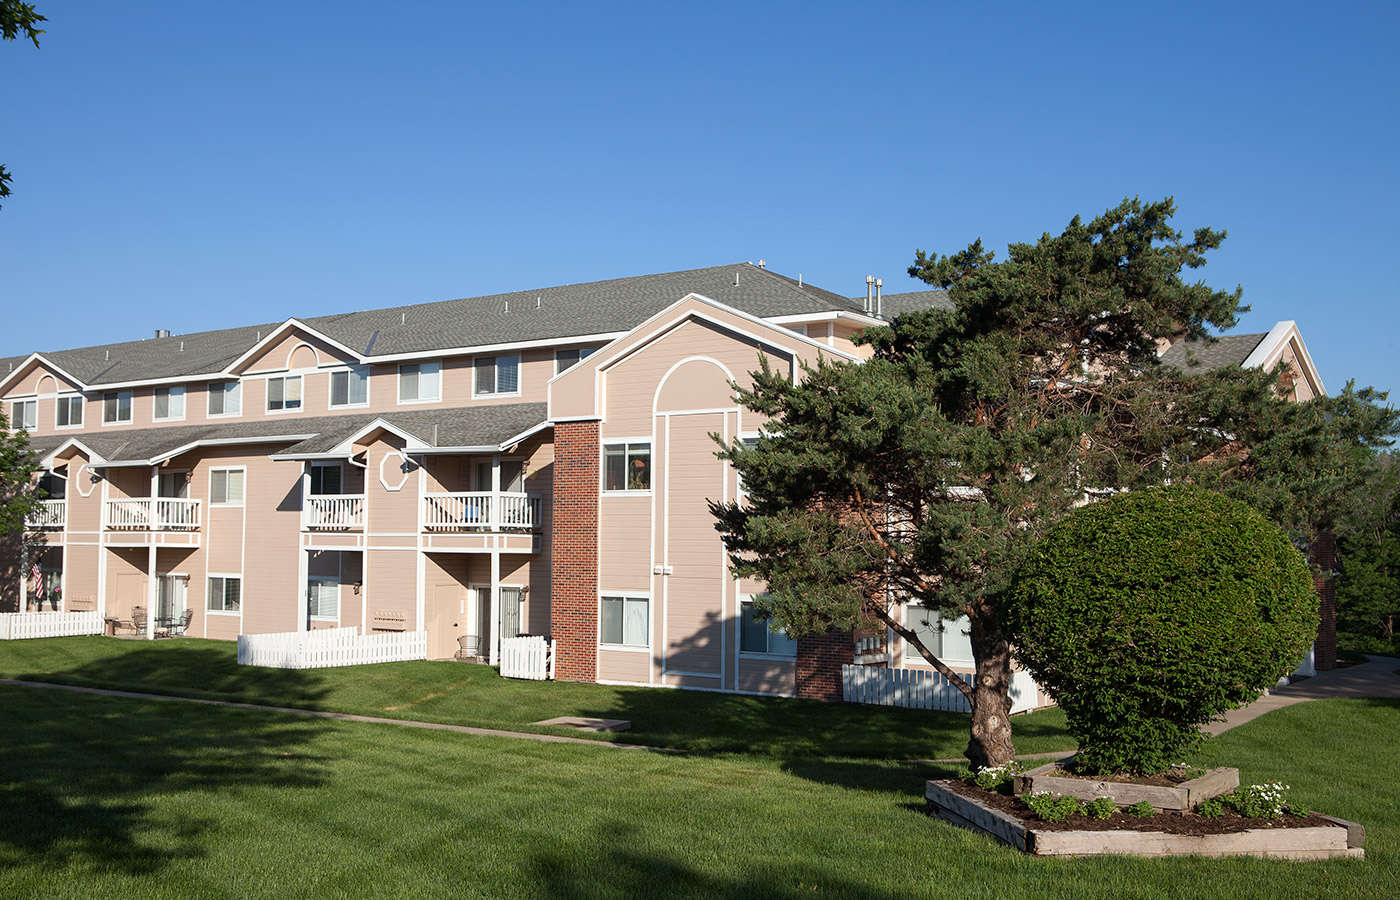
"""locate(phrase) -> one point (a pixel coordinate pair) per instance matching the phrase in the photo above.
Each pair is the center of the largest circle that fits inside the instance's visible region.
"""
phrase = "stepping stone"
(588, 724)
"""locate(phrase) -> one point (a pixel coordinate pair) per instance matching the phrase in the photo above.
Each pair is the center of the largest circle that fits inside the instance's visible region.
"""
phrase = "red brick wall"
(1322, 552)
(574, 542)
(819, 661)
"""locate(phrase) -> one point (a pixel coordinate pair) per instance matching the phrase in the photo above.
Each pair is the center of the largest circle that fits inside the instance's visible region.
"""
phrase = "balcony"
(480, 511)
(333, 512)
(151, 514)
(49, 514)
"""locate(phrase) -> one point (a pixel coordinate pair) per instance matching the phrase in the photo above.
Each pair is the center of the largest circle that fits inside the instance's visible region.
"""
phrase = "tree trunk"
(990, 744)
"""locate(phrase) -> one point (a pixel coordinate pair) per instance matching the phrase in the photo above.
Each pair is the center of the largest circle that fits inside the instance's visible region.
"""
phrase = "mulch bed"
(1170, 823)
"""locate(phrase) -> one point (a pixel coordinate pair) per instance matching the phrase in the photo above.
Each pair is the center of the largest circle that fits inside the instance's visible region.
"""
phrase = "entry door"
(510, 612)
(479, 618)
(173, 484)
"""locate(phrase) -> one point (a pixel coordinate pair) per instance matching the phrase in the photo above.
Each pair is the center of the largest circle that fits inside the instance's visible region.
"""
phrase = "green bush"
(1052, 808)
(1142, 809)
(1151, 613)
(1100, 808)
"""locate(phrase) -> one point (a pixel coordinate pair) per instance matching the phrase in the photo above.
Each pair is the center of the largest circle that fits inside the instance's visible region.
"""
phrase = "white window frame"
(418, 373)
(625, 597)
(67, 400)
(627, 445)
(745, 608)
(580, 353)
(912, 656)
(242, 484)
(285, 379)
(495, 390)
(236, 392)
(171, 394)
(348, 372)
(130, 403)
(332, 580)
(222, 609)
(29, 419)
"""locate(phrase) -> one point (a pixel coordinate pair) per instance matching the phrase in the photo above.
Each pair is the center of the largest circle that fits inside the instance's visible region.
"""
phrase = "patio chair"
(138, 619)
(178, 626)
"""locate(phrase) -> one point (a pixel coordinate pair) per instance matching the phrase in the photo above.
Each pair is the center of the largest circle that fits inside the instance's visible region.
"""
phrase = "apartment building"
(534, 462)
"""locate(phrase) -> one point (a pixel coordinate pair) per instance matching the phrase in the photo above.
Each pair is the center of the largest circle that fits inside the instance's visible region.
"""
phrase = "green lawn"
(108, 797)
(463, 694)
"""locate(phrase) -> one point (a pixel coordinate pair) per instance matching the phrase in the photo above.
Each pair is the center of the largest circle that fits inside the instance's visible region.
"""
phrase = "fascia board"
(859, 318)
(532, 430)
(94, 459)
(495, 348)
(276, 333)
(230, 442)
(1271, 347)
(411, 441)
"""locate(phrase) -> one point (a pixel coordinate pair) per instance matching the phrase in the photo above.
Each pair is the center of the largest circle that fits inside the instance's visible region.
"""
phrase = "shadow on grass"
(617, 867)
(182, 668)
(80, 774)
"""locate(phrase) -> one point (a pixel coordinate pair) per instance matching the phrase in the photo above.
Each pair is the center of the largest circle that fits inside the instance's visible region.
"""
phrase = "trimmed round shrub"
(1151, 613)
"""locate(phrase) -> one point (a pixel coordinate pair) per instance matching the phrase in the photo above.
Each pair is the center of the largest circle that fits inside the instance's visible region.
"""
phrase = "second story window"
(567, 359)
(24, 414)
(226, 487)
(116, 407)
(284, 393)
(627, 467)
(497, 374)
(420, 382)
(325, 479)
(170, 403)
(70, 412)
(350, 387)
(225, 398)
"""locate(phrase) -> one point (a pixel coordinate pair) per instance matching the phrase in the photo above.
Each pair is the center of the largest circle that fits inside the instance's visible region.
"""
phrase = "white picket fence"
(329, 647)
(17, 626)
(526, 657)
(923, 689)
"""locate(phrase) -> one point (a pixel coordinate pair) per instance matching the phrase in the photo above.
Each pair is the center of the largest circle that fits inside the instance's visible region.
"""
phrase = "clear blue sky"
(197, 165)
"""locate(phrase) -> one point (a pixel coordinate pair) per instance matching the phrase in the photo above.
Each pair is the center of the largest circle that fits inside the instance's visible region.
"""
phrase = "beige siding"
(766, 676)
(624, 665)
(389, 590)
(294, 350)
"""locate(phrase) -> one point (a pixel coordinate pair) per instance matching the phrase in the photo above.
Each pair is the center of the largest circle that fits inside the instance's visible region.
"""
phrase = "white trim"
(661, 385)
(1273, 345)
(830, 317)
(277, 332)
(226, 442)
(484, 349)
(39, 358)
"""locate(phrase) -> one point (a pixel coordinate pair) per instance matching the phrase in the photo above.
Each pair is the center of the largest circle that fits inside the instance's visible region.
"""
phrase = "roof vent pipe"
(736, 277)
(869, 293)
(161, 332)
(763, 264)
(879, 303)
(182, 346)
(799, 279)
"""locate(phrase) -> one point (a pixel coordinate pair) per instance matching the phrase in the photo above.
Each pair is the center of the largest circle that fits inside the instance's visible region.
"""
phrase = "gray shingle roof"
(1223, 352)
(475, 426)
(553, 313)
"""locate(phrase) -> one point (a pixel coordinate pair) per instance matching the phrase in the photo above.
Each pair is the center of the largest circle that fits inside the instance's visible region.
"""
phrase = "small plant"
(1258, 801)
(1051, 808)
(1100, 808)
(1298, 810)
(994, 778)
(1211, 808)
(1142, 809)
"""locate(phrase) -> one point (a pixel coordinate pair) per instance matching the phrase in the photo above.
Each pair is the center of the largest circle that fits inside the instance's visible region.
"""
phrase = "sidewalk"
(1374, 678)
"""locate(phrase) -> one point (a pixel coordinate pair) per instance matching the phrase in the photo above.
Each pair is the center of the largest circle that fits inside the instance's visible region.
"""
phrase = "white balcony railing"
(49, 514)
(335, 512)
(151, 514)
(480, 511)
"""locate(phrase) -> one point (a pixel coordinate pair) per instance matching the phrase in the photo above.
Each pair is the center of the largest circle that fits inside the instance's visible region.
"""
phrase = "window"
(170, 403)
(24, 414)
(226, 487)
(325, 479)
(625, 621)
(420, 382)
(627, 467)
(497, 374)
(116, 407)
(284, 393)
(350, 387)
(70, 412)
(225, 398)
(225, 593)
(946, 638)
(567, 359)
(757, 635)
(323, 598)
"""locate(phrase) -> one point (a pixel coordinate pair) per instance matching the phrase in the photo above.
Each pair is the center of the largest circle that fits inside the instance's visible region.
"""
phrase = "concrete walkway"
(1374, 678)
(344, 717)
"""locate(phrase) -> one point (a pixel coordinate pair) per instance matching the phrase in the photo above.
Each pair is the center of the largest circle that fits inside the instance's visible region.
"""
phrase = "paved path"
(1374, 678)
(344, 717)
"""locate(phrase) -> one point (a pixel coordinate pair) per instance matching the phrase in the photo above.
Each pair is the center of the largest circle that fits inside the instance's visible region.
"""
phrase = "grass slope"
(475, 695)
(118, 798)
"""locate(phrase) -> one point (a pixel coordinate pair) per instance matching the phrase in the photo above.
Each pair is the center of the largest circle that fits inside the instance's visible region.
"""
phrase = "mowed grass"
(110, 797)
(463, 694)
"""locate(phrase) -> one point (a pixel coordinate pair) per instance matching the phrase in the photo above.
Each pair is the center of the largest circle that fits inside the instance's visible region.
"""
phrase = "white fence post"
(526, 657)
(922, 689)
(17, 626)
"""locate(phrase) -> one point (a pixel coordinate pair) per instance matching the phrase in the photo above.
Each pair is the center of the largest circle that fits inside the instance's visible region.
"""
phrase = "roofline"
(46, 460)
(39, 357)
(606, 336)
(299, 457)
(412, 441)
(863, 319)
(229, 442)
(1273, 342)
(286, 326)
